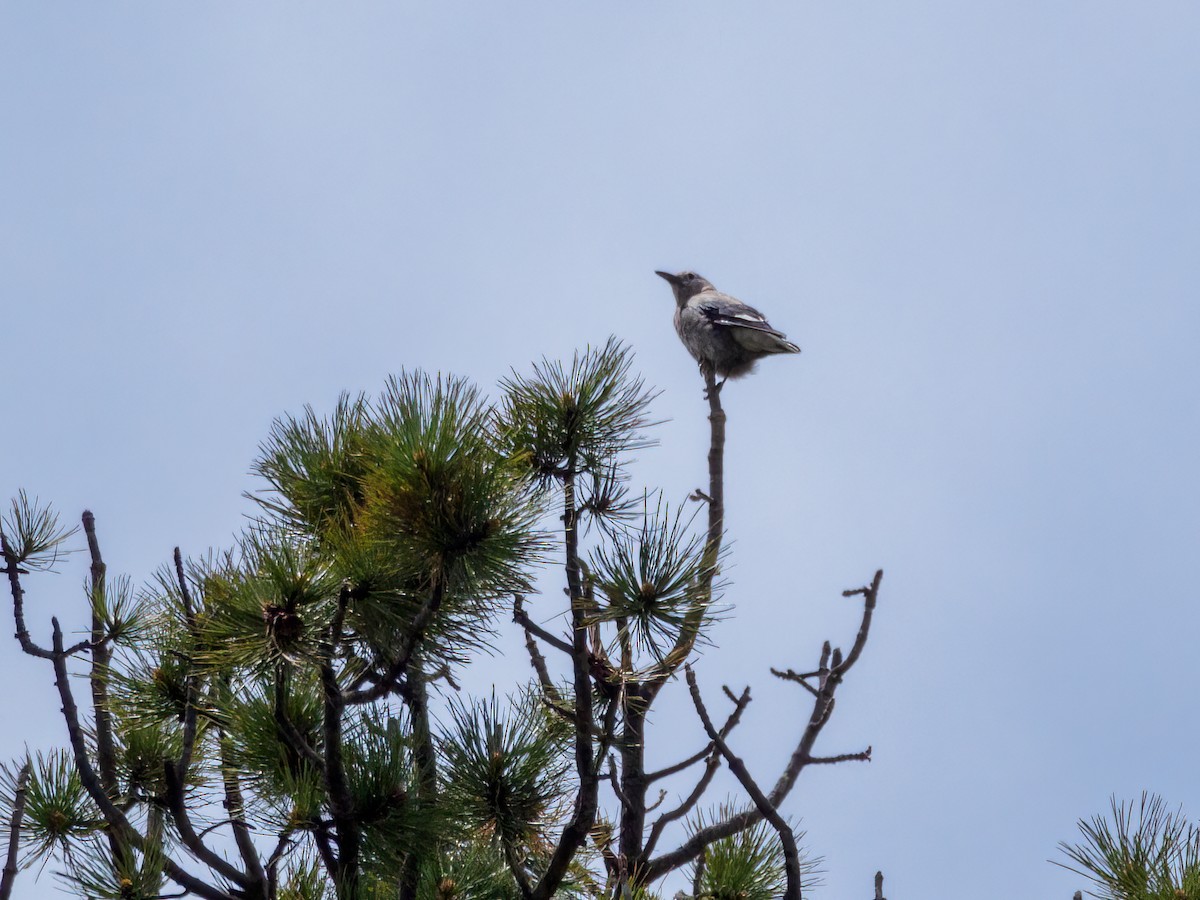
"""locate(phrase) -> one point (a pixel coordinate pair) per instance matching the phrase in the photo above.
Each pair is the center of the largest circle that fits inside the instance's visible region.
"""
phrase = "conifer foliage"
(283, 719)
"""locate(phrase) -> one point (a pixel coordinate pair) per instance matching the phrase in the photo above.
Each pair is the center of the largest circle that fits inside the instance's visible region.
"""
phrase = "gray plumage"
(720, 331)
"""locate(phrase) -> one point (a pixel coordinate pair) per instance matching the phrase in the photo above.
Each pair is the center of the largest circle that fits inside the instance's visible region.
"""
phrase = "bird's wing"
(723, 310)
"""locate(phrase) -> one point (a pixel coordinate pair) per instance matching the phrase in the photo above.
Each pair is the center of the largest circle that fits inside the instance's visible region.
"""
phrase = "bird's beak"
(672, 279)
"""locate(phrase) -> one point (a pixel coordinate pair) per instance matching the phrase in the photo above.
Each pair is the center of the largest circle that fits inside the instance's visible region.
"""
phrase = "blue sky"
(980, 221)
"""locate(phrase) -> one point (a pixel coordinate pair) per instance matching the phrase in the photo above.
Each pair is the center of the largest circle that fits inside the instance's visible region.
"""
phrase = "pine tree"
(279, 720)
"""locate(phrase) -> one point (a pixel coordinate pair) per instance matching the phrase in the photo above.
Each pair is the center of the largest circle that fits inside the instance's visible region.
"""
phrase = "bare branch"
(662, 795)
(798, 678)
(686, 806)
(518, 871)
(791, 854)
(106, 754)
(681, 766)
(14, 832)
(185, 593)
(690, 628)
(187, 833)
(235, 805)
(739, 705)
(616, 785)
(714, 762)
(863, 756)
(828, 678)
(281, 846)
(871, 594)
(521, 617)
(539, 666)
(18, 598)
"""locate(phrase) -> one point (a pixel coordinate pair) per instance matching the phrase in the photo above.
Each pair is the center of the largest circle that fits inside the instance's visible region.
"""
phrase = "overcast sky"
(981, 221)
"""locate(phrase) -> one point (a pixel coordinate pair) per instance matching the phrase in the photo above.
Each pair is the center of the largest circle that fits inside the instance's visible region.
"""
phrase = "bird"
(723, 334)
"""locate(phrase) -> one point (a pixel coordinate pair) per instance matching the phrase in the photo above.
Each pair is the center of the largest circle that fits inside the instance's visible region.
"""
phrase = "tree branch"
(739, 704)
(106, 752)
(416, 696)
(710, 770)
(791, 854)
(288, 732)
(18, 598)
(14, 832)
(281, 846)
(177, 804)
(341, 805)
(91, 781)
(412, 640)
(235, 805)
(690, 628)
(521, 617)
(518, 871)
(870, 595)
(193, 681)
(829, 675)
(616, 785)
(586, 765)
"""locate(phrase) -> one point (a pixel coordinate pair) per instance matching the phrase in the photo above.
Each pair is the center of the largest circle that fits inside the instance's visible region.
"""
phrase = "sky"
(980, 221)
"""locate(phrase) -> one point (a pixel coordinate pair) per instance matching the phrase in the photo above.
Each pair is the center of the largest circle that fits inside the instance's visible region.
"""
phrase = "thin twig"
(521, 617)
(711, 556)
(518, 871)
(829, 675)
(287, 730)
(870, 594)
(798, 678)
(791, 853)
(698, 877)
(710, 770)
(863, 756)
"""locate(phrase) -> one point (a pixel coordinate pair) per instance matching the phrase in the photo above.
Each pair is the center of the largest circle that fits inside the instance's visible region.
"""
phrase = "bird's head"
(685, 285)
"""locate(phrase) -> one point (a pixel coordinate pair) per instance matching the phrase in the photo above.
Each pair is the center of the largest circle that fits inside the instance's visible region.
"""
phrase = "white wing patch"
(749, 317)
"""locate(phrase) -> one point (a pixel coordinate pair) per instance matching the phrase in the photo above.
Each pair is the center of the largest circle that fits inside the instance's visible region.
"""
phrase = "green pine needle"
(506, 770)
(653, 578)
(32, 534)
(59, 815)
(580, 419)
(1141, 851)
(748, 865)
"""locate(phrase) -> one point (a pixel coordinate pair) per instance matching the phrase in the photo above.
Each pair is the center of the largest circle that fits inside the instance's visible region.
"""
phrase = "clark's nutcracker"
(721, 332)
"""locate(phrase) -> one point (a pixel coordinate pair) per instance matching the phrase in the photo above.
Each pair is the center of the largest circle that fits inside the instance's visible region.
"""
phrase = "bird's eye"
(688, 276)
